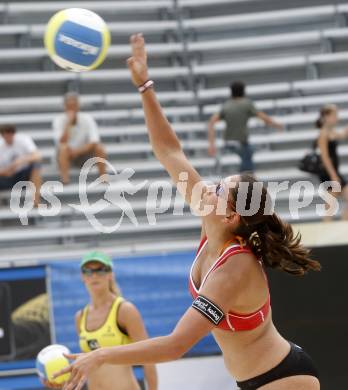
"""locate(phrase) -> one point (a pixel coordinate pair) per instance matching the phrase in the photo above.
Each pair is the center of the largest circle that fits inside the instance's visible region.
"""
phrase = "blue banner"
(22, 273)
(157, 285)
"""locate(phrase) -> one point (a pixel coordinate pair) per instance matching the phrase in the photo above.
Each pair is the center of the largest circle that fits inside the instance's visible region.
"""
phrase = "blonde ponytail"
(114, 288)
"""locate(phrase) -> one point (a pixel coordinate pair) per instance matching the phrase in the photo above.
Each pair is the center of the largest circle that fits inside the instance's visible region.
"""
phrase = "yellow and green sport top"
(108, 335)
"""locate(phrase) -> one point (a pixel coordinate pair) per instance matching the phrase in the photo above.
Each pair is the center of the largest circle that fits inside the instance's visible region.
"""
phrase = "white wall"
(205, 373)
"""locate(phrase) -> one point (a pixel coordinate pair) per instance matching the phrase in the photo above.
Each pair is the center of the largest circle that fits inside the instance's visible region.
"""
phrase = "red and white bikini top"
(231, 321)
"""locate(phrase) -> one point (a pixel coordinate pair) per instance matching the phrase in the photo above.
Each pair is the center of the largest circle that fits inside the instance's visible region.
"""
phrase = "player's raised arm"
(165, 144)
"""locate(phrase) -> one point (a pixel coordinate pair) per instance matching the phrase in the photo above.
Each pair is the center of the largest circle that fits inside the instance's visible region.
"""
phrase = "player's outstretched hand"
(79, 370)
(137, 64)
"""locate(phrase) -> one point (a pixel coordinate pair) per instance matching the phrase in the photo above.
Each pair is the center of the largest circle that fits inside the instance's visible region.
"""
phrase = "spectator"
(327, 143)
(19, 160)
(236, 112)
(77, 138)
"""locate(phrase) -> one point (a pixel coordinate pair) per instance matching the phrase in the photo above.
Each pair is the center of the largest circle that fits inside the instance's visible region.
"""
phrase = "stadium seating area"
(293, 59)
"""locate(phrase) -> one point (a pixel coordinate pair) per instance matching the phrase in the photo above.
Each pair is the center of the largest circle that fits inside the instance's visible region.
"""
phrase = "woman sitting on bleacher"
(327, 143)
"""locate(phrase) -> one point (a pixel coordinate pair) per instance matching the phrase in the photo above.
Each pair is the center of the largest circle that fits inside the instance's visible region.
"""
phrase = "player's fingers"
(70, 385)
(81, 383)
(132, 40)
(62, 371)
(49, 384)
(66, 384)
(138, 46)
(71, 356)
(130, 62)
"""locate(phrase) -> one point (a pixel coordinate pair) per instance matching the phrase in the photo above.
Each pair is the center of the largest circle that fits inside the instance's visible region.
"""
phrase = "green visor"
(100, 257)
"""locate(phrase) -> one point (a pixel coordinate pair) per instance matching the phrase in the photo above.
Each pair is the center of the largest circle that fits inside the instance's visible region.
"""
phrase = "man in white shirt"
(77, 138)
(19, 160)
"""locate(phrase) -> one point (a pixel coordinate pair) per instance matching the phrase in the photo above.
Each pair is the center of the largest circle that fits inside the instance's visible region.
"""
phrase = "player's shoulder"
(236, 268)
(128, 310)
(126, 305)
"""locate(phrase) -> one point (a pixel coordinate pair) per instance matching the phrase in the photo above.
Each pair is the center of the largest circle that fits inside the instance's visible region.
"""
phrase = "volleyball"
(50, 360)
(77, 39)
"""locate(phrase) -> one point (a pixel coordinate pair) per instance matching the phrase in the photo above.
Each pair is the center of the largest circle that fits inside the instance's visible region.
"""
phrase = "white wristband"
(148, 84)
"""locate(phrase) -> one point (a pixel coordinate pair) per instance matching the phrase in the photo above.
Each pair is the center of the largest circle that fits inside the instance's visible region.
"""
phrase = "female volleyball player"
(108, 320)
(327, 143)
(227, 280)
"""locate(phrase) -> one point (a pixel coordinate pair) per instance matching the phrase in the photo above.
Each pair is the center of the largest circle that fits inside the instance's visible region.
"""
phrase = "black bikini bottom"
(297, 362)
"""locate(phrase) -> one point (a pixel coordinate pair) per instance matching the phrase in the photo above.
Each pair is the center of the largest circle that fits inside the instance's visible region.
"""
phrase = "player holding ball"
(108, 320)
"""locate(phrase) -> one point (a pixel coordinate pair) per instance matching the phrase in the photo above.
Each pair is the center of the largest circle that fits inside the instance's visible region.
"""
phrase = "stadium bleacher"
(291, 56)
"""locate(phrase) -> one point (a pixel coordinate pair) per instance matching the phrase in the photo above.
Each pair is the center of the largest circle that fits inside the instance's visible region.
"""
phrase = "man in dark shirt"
(236, 112)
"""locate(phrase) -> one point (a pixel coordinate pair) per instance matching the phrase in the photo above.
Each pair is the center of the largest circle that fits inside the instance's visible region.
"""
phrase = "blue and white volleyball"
(51, 360)
(77, 39)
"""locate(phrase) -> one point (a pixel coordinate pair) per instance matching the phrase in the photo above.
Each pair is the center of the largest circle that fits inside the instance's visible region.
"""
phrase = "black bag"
(311, 162)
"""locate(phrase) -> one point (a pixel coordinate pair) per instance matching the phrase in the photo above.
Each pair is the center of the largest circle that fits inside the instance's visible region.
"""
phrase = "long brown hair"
(324, 111)
(269, 237)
